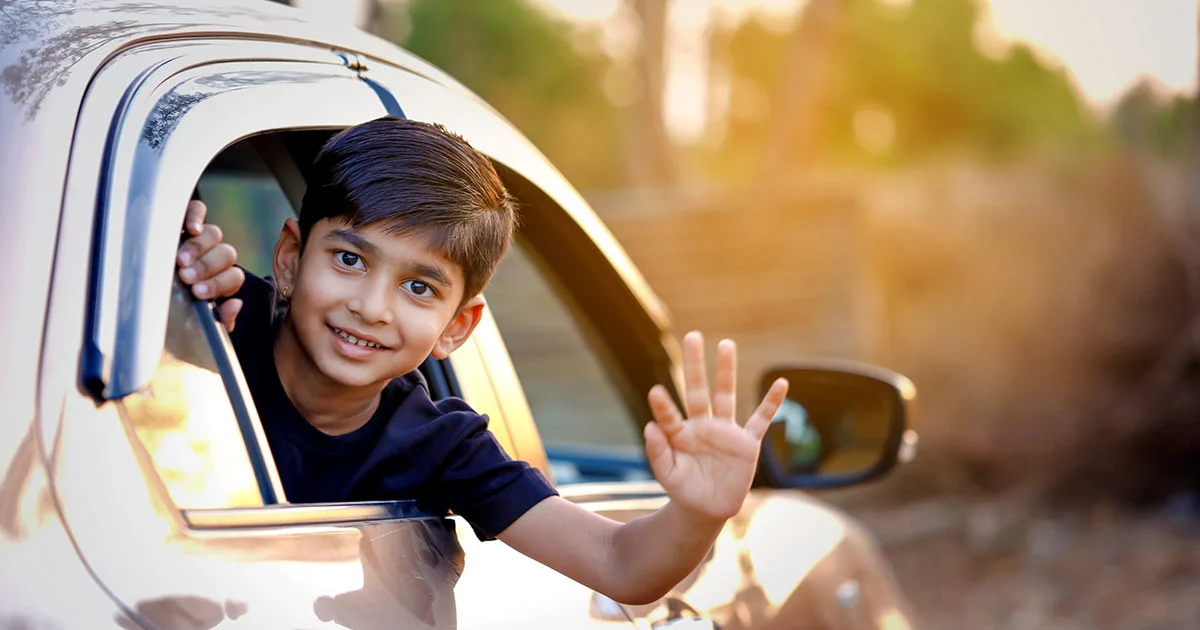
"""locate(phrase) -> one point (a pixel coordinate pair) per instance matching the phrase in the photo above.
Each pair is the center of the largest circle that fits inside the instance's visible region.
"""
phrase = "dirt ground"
(991, 565)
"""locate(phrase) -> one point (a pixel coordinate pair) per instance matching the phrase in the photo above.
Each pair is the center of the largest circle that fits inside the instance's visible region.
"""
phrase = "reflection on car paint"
(185, 423)
(170, 109)
(182, 612)
(404, 577)
(408, 577)
(166, 114)
(44, 62)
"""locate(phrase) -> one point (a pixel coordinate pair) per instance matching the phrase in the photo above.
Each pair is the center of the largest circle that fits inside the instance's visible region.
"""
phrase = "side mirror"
(842, 423)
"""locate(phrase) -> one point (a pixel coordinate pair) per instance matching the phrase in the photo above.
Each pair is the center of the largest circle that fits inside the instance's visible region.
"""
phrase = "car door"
(159, 464)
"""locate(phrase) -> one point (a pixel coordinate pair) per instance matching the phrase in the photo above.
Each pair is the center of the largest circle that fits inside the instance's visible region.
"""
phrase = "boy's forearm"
(633, 563)
(654, 553)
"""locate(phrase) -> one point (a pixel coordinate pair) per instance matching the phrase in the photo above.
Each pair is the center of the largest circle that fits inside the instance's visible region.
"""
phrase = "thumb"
(228, 312)
(658, 451)
(193, 218)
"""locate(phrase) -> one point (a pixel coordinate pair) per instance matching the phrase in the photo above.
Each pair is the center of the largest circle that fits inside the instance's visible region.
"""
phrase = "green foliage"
(920, 65)
(544, 76)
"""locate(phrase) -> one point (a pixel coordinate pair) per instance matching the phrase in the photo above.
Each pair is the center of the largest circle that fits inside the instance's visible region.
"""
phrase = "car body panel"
(314, 572)
(39, 565)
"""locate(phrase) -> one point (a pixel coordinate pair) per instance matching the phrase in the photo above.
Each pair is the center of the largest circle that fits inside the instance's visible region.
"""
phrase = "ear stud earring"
(286, 291)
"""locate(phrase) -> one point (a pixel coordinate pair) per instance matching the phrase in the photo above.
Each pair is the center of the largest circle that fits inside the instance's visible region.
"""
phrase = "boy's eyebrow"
(433, 272)
(355, 240)
(358, 241)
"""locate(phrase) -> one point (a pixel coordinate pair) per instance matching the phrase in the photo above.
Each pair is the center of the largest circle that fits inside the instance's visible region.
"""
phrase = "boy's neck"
(332, 408)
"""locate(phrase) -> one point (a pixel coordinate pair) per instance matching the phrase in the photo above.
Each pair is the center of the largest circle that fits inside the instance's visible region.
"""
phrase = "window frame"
(121, 346)
(133, 253)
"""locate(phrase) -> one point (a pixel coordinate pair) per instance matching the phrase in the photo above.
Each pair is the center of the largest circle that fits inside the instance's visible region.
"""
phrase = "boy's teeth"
(356, 341)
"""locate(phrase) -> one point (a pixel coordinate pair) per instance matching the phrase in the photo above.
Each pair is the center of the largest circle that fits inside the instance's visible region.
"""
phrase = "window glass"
(589, 432)
(186, 423)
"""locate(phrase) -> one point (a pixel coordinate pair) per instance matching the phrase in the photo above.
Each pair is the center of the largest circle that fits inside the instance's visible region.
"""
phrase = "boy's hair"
(416, 177)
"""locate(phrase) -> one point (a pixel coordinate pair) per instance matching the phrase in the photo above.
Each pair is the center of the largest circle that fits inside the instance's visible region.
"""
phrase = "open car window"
(245, 199)
(152, 349)
(586, 425)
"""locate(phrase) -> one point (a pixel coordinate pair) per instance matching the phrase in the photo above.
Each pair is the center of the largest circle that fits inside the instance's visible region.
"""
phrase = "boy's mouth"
(357, 341)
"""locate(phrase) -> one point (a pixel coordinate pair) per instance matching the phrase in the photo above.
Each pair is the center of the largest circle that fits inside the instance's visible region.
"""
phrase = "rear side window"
(585, 424)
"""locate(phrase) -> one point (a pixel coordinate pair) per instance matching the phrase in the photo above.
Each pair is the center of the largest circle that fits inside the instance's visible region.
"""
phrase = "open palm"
(706, 462)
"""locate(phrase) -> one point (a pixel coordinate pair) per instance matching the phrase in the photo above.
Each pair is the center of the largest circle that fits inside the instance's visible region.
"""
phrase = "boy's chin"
(347, 376)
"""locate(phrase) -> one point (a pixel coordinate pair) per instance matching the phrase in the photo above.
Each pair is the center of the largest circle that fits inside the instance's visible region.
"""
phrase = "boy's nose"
(373, 304)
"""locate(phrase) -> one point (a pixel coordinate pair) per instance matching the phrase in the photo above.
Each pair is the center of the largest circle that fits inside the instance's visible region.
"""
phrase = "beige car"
(138, 489)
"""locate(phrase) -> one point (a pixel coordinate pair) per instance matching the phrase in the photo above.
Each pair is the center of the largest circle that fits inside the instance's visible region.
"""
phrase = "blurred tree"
(900, 83)
(544, 75)
(648, 147)
(1193, 148)
(802, 88)
(1150, 120)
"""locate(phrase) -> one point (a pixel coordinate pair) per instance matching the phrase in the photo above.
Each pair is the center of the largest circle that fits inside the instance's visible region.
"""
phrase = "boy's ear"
(460, 328)
(286, 261)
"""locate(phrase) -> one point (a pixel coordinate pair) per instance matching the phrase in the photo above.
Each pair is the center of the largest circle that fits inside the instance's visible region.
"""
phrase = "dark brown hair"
(414, 177)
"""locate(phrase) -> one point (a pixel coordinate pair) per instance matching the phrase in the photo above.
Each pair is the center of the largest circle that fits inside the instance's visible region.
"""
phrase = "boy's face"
(367, 306)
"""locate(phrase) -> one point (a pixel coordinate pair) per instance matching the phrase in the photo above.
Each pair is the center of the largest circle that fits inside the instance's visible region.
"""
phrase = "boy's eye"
(416, 287)
(349, 259)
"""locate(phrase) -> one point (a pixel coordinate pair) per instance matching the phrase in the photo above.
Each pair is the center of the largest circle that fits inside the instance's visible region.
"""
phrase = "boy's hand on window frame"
(707, 461)
(207, 265)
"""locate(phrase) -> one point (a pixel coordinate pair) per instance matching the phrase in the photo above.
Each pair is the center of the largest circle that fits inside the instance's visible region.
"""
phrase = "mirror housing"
(843, 423)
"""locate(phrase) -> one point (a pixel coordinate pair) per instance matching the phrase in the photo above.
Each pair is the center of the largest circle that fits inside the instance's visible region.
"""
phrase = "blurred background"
(997, 198)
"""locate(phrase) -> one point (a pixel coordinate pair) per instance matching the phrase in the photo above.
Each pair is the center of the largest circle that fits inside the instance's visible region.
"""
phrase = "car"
(138, 488)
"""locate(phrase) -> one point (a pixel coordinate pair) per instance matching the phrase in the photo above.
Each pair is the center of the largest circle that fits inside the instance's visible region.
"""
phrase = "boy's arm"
(705, 464)
(207, 264)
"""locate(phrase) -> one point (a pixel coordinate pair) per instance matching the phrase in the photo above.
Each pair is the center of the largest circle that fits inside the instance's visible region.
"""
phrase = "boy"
(401, 227)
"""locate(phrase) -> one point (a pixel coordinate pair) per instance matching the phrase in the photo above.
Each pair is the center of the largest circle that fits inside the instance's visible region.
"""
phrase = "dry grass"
(1045, 316)
(1102, 568)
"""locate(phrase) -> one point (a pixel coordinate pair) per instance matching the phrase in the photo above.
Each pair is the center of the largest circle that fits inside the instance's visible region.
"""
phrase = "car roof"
(40, 42)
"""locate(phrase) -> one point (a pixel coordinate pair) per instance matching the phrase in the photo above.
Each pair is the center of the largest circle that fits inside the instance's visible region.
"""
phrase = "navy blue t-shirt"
(438, 453)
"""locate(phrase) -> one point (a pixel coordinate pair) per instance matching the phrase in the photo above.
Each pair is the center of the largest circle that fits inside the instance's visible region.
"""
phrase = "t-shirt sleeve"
(481, 482)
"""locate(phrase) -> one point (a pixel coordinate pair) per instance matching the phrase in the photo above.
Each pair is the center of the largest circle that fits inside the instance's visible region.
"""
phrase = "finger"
(725, 383)
(658, 450)
(198, 245)
(666, 414)
(228, 312)
(193, 219)
(761, 419)
(225, 284)
(214, 262)
(696, 396)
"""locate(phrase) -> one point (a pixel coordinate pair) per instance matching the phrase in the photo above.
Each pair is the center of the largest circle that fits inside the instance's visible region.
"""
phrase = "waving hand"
(707, 461)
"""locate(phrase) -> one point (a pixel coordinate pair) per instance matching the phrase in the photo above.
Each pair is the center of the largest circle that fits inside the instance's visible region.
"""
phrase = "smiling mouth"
(351, 339)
